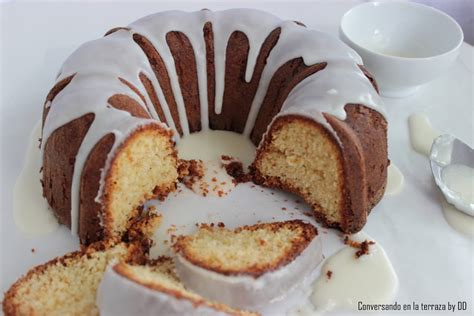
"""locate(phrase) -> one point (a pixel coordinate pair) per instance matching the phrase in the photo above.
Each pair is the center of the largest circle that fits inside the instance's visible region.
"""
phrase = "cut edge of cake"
(144, 167)
(329, 171)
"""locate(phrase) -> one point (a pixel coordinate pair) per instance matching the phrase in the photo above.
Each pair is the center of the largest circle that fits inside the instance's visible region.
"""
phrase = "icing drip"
(422, 134)
(98, 65)
(395, 180)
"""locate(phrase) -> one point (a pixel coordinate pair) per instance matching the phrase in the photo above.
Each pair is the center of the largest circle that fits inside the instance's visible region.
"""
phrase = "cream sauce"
(422, 134)
(460, 179)
(370, 279)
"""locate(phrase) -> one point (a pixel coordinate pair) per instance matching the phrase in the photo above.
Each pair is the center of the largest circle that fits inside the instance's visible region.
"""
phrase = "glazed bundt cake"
(120, 102)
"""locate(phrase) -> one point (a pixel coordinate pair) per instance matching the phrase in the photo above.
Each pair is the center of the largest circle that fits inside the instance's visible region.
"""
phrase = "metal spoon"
(447, 150)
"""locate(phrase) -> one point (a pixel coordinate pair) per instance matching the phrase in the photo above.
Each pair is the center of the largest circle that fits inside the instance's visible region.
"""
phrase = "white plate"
(433, 261)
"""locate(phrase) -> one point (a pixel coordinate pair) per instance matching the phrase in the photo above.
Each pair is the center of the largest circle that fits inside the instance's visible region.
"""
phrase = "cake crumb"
(329, 274)
(362, 246)
(33, 250)
(190, 171)
(171, 229)
(173, 238)
(235, 169)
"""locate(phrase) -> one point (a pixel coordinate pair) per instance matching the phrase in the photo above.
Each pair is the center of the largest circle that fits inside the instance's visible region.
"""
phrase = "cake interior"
(248, 250)
(300, 156)
(65, 286)
(145, 168)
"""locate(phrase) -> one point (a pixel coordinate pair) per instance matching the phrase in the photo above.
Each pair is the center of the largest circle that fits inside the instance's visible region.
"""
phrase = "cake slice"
(153, 289)
(67, 285)
(339, 167)
(250, 266)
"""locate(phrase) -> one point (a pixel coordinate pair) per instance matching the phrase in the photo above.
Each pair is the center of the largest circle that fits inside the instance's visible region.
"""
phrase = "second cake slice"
(250, 266)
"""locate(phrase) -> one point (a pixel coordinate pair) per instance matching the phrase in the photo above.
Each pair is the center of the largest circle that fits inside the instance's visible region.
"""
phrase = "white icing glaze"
(98, 64)
(30, 209)
(395, 180)
(118, 295)
(422, 134)
(247, 292)
(369, 279)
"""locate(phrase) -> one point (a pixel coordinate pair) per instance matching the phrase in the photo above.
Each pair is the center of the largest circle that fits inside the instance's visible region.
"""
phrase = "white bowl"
(403, 44)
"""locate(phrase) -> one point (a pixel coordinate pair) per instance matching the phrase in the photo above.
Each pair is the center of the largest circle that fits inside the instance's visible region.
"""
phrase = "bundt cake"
(153, 289)
(248, 267)
(120, 102)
